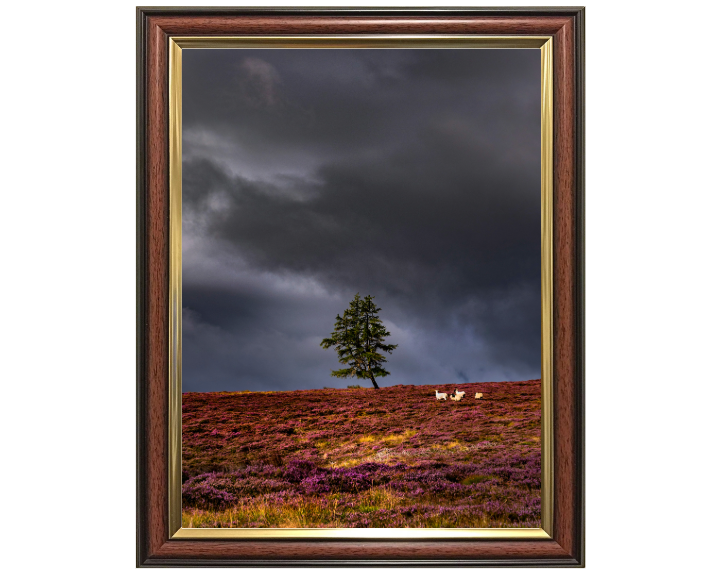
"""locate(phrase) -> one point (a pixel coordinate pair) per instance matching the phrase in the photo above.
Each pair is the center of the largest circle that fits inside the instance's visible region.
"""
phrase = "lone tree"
(357, 337)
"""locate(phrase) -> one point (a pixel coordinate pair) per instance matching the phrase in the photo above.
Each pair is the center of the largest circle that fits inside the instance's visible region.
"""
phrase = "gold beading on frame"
(176, 46)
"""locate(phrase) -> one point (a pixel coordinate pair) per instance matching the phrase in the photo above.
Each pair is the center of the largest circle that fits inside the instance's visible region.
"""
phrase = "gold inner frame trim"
(176, 46)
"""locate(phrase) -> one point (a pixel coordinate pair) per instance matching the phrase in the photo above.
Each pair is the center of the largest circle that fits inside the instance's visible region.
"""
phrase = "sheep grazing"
(440, 395)
(459, 394)
(456, 397)
(478, 394)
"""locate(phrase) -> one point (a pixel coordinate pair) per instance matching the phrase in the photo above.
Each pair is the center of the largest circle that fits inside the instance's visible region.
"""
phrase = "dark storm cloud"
(317, 105)
(311, 175)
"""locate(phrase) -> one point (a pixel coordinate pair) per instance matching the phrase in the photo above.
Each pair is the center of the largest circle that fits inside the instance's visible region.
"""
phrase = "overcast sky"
(310, 175)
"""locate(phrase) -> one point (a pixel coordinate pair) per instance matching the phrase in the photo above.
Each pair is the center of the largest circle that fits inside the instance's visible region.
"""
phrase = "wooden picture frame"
(564, 544)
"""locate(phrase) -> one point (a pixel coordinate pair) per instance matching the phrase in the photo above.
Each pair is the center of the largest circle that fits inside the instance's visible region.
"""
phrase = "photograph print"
(361, 288)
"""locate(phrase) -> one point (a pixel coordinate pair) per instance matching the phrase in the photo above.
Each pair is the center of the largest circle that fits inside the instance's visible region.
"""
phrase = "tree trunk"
(373, 381)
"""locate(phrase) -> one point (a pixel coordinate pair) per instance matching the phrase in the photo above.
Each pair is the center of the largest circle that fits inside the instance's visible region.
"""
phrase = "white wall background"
(68, 289)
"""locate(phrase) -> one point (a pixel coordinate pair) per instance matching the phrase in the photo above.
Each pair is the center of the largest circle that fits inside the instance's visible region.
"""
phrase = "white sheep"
(440, 395)
(456, 398)
(459, 394)
(478, 394)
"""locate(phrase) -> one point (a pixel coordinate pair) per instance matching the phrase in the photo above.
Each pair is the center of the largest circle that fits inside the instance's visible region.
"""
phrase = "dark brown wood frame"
(154, 25)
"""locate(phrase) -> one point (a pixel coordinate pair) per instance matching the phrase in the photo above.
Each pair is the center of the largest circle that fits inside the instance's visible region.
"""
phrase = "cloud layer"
(310, 175)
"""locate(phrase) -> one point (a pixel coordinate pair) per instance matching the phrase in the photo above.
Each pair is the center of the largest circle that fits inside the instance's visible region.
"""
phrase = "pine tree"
(357, 337)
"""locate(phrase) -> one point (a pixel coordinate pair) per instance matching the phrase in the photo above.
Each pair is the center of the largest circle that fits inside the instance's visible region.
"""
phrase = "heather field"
(360, 457)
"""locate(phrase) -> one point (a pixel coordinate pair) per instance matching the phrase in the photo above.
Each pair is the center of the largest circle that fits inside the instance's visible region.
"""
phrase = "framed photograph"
(360, 287)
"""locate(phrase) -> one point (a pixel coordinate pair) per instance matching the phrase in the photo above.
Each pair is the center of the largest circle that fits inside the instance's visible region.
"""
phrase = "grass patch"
(377, 507)
(396, 439)
(348, 463)
(491, 438)
(474, 479)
